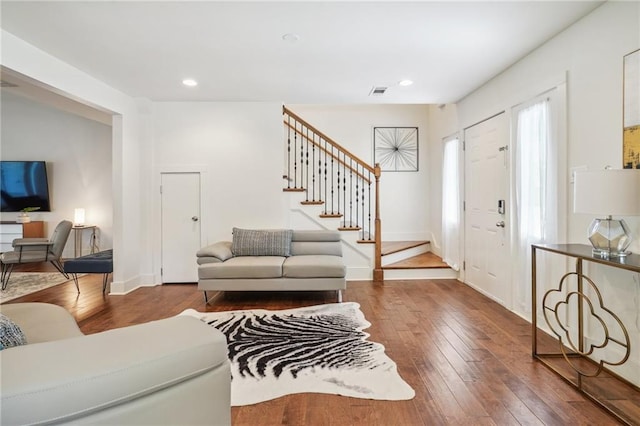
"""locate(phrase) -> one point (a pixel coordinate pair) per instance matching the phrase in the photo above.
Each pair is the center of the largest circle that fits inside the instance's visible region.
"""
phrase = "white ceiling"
(236, 51)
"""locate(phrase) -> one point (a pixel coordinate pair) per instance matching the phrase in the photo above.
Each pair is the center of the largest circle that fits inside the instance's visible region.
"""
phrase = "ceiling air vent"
(378, 91)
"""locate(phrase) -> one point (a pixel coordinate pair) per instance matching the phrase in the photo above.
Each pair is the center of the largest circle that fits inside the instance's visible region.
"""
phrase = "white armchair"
(173, 371)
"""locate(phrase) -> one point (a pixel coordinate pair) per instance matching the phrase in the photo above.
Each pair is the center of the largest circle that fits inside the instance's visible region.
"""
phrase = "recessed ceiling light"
(405, 83)
(189, 82)
(291, 37)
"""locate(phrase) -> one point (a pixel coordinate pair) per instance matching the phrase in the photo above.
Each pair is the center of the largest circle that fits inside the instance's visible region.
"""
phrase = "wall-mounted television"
(24, 184)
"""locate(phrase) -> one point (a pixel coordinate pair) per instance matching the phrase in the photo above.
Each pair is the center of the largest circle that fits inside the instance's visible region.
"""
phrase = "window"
(451, 203)
(539, 215)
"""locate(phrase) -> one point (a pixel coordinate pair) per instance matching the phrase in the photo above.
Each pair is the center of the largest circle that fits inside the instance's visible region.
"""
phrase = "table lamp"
(606, 193)
(78, 217)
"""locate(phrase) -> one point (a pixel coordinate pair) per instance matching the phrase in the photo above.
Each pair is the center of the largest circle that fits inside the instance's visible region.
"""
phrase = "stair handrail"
(335, 157)
(287, 111)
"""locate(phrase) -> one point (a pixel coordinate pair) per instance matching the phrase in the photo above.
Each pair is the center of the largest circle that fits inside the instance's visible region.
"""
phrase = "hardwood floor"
(468, 359)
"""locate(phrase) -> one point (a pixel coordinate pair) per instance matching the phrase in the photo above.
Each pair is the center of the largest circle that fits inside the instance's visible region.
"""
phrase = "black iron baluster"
(350, 190)
(332, 181)
(313, 166)
(326, 200)
(288, 152)
(357, 197)
(302, 158)
(370, 179)
(338, 186)
(362, 203)
(295, 156)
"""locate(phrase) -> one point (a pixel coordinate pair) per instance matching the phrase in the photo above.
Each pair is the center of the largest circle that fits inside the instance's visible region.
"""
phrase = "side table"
(78, 232)
(581, 359)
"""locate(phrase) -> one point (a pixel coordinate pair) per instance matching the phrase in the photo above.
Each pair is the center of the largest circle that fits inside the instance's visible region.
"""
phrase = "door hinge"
(464, 265)
(161, 189)
(161, 271)
(464, 145)
(464, 206)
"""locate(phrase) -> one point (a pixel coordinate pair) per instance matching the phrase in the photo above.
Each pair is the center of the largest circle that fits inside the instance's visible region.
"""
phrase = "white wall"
(589, 56)
(47, 71)
(405, 199)
(239, 149)
(78, 156)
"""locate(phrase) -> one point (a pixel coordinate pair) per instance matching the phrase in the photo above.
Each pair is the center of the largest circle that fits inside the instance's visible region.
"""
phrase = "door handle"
(194, 218)
(500, 224)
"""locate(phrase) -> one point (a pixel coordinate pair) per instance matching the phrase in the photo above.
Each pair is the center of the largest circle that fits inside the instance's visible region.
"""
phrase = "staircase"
(337, 190)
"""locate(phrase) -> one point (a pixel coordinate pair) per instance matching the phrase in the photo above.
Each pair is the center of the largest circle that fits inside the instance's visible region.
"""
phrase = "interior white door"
(486, 225)
(180, 217)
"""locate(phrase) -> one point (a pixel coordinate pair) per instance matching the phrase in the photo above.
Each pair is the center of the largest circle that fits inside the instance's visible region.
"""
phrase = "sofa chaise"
(273, 260)
(169, 372)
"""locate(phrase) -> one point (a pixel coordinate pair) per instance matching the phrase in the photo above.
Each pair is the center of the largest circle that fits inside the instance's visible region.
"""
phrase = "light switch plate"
(572, 178)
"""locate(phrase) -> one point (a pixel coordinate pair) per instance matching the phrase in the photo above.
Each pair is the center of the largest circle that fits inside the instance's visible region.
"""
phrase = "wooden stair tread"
(422, 261)
(390, 247)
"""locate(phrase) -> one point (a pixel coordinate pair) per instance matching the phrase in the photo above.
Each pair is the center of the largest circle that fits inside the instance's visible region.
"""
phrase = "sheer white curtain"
(536, 183)
(451, 203)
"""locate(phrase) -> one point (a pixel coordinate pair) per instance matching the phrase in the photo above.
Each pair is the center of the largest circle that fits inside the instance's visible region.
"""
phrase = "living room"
(225, 140)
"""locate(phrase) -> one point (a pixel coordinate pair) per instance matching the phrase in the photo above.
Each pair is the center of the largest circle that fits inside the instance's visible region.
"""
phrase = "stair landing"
(422, 261)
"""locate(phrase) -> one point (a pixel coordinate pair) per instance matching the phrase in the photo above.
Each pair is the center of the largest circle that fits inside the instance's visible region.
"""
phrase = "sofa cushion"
(220, 251)
(315, 235)
(255, 242)
(314, 266)
(10, 333)
(316, 242)
(244, 267)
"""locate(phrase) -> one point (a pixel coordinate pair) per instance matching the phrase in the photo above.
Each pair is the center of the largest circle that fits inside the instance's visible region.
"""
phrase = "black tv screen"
(24, 184)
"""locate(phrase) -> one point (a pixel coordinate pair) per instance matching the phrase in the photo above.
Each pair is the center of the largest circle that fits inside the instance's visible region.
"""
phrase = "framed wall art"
(396, 148)
(631, 108)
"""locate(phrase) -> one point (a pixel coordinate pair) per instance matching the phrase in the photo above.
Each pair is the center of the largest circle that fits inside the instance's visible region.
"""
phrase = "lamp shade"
(607, 192)
(78, 217)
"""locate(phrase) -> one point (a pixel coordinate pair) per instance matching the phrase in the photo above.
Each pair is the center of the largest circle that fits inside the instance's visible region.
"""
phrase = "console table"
(78, 231)
(568, 352)
(9, 231)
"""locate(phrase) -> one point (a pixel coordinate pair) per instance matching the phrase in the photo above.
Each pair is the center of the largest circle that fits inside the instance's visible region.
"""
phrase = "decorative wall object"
(396, 148)
(631, 133)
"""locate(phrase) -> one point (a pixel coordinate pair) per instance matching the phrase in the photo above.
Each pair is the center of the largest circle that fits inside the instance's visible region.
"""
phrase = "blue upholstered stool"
(96, 263)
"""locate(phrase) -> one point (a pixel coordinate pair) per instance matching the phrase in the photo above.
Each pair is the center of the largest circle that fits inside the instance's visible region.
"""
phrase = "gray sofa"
(273, 260)
(168, 372)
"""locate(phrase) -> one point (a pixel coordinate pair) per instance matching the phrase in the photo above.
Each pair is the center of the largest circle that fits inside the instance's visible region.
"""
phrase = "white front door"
(487, 255)
(180, 217)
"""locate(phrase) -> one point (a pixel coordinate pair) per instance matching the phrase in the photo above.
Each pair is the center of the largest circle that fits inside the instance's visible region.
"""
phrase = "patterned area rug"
(315, 349)
(22, 283)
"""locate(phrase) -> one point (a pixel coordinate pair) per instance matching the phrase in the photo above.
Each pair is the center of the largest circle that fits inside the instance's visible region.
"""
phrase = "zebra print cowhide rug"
(319, 349)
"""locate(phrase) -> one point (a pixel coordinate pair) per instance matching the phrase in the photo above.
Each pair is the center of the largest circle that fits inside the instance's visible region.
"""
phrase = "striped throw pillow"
(257, 242)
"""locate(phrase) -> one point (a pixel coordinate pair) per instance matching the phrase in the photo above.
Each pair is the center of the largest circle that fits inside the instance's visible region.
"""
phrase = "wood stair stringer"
(396, 251)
